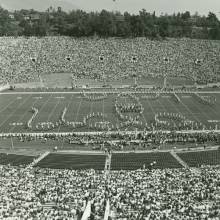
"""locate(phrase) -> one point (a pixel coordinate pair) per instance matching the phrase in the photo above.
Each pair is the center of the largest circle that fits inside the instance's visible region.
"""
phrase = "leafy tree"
(79, 23)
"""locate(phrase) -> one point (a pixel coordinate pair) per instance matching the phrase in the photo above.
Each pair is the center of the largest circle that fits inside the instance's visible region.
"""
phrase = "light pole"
(36, 63)
(197, 65)
(102, 61)
(72, 83)
(166, 60)
(134, 74)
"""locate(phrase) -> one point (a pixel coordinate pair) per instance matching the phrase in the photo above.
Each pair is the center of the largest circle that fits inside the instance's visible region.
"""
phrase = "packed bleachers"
(136, 188)
(149, 193)
(23, 59)
(165, 194)
(198, 158)
(25, 191)
(75, 162)
(15, 160)
(134, 161)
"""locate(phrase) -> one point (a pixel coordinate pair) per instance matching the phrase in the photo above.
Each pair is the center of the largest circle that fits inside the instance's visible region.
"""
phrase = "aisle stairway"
(41, 157)
(173, 153)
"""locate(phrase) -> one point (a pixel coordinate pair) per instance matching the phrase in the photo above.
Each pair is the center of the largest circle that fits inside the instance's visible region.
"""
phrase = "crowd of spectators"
(24, 59)
(122, 139)
(166, 194)
(25, 192)
(142, 194)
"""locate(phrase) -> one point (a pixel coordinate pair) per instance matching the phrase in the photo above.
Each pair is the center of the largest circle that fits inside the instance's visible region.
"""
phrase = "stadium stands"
(134, 161)
(24, 59)
(15, 160)
(138, 185)
(195, 159)
(165, 194)
(26, 193)
(172, 192)
(75, 162)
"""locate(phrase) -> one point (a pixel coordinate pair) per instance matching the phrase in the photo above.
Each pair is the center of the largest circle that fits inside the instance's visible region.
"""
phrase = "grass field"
(15, 109)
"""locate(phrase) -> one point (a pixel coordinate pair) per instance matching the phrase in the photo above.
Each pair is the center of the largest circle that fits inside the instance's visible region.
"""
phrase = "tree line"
(78, 23)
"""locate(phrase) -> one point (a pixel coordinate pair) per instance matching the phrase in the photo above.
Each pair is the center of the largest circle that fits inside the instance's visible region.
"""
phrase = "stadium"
(109, 128)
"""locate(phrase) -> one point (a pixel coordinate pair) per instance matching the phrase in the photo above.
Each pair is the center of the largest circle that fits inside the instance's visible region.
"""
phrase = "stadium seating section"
(194, 159)
(15, 160)
(133, 161)
(71, 161)
(33, 56)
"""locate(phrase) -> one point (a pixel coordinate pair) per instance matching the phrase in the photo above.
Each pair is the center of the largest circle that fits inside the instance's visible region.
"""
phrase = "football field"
(15, 110)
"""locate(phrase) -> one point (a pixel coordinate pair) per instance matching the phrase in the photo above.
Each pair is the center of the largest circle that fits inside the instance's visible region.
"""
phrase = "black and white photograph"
(109, 110)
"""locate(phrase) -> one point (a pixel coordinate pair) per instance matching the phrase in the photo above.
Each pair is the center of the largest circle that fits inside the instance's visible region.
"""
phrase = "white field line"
(103, 109)
(164, 107)
(77, 113)
(45, 103)
(13, 112)
(90, 112)
(10, 103)
(151, 107)
(67, 109)
(216, 113)
(175, 107)
(23, 115)
(144, 118)
(108, 92)
(60, 125)
(153, 112)
(53, 110)
(201, 112)
(193, 114)
(211, 109)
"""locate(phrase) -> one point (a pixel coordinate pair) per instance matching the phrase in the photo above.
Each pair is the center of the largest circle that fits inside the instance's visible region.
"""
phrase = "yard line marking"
(37, 97)
(24, 114)
(144, 117)
(54, 108)
(185, 96)
(91, 105)
(59, 97)
(10, 103)
(200, 111)
(193, 114)
(13, 112)
(175, 106)
(77, 113)
(103, 109)
(67, 109)
(151, 107)
(164, 108)
(209, 108)
(213, 121)
(45, 103)
(152, 110)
